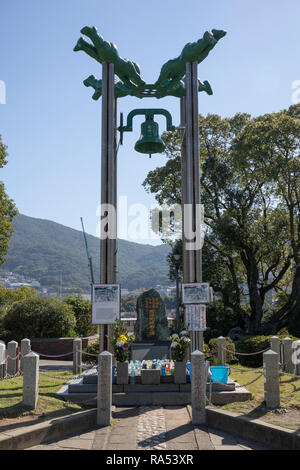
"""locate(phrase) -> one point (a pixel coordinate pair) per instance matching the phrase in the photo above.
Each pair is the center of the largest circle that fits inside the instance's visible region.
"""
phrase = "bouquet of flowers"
(121, 340)
(179, 344)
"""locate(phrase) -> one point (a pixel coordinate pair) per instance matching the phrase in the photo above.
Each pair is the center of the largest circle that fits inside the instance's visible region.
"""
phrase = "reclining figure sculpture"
(171, 80)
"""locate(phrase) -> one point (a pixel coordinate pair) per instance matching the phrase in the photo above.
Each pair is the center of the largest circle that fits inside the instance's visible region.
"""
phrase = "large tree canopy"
(7, 210)
(251, 194)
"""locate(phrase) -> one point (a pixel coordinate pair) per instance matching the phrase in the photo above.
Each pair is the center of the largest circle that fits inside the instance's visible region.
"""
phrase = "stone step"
(78, 385)
(153, 398)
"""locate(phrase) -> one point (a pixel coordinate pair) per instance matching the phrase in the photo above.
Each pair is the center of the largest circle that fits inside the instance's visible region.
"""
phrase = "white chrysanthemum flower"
(186, 340)
(119, 344)
(175, 335)
(174, 345)
(183, 333)
(130, 333)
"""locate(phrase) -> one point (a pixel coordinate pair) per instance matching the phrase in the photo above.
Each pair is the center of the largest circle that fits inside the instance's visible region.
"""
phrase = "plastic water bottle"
(132, 375)
(163, 369)
(189, 369)
(168, 368)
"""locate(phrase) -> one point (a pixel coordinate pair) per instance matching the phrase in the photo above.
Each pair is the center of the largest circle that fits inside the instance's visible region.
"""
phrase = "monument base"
(144, 351)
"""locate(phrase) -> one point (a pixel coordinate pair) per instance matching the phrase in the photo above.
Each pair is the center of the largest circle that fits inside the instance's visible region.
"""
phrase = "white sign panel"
(195, 317)
(105, 304)
(196, 293)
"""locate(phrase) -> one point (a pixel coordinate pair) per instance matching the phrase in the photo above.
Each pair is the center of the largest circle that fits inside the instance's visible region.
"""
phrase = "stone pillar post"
(12, 364)
(77, 356)
(221, 341)
(104, 392)
(31, 380)
(2, 360)
(198, 387)
(25, 349)
(296, 356)
(271, 379)
(275, 345)
(288, 365)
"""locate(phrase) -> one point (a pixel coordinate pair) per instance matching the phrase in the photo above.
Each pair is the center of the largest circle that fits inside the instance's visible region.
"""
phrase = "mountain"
(45, 250)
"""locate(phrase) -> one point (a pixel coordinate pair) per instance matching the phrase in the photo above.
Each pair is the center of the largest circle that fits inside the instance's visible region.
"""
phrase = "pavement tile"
(77, 443)
(225, 447)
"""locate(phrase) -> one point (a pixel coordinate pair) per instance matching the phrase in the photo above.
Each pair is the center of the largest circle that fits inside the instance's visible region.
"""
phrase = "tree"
(7, 210)
(9, 296)
(250, 187)
(83, 313)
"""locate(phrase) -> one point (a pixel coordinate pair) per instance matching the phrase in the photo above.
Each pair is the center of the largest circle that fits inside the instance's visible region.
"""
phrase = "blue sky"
(52, 126)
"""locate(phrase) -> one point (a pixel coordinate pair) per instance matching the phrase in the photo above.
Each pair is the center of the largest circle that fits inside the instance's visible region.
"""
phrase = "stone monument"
(151, 328)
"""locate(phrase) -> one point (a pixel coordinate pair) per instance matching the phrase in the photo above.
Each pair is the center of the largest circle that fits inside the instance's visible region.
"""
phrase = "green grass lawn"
(289, 399)
(49, 405)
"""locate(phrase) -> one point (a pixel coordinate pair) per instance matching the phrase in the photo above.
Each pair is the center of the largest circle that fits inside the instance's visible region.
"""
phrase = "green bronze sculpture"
(103, 51)
(171, 79)
(174, 70)
(120, 89)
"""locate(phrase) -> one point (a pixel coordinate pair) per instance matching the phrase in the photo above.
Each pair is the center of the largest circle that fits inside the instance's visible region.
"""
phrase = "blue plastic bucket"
(220, 373)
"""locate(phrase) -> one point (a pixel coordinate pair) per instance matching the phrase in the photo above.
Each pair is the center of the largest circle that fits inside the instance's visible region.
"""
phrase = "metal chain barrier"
(246, 369)
(237, 386)
(246, 354)
(8, 377)
(89, 354)
(52, 355)
(63, 378)
(13, 358)
(291, 375)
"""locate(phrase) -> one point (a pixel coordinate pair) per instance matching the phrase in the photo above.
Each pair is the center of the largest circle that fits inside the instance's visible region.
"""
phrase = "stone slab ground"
(152, 428)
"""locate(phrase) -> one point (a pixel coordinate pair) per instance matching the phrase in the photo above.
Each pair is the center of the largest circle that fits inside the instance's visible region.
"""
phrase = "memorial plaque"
(152, 323)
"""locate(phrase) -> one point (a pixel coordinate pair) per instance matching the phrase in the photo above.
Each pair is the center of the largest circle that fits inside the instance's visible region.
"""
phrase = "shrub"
(91, 349)
(40, 318)
(83, 314)
(220, 320)
(251, 344)
(230, 356)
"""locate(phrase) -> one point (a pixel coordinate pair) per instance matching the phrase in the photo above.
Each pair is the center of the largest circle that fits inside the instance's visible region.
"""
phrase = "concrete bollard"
(2, 360)
(31, 380)
(198, 387)
(221, 341)
(288, 365)
(271, 379)
(275, 345)
(296, 357)
(77, 356)
(12, 364)
(25, 349)
(104, 391)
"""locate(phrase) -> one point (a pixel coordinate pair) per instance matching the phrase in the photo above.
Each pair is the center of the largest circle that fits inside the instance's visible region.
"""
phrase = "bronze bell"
(149, 142)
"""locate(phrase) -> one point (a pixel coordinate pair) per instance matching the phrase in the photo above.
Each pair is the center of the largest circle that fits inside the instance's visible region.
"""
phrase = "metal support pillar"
(108, 187)
(190, 172)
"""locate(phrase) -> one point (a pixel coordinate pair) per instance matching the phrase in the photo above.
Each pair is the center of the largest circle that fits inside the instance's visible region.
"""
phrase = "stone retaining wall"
(57, 346)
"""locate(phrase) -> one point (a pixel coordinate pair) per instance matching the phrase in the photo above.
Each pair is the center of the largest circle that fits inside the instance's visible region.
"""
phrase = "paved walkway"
(154, 428)
(46, 364)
